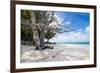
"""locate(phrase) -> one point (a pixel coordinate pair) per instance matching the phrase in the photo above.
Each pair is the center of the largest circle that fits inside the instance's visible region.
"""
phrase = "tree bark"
(35, 30)
(36, 39)
(42, 44)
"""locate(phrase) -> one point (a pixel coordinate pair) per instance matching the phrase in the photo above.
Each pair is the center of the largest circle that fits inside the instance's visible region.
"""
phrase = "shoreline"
(83, 46)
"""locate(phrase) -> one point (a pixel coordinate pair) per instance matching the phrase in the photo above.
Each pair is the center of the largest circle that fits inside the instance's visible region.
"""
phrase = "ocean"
(78, 44)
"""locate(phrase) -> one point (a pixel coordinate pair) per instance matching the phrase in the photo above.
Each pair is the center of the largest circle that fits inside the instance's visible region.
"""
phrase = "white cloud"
(59, 18)
(53, 24)
(73, 36)
(87, 29)
(68, 22)
(60, 21)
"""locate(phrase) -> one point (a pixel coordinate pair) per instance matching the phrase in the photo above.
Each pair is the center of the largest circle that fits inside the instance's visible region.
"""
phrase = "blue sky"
(78, 21)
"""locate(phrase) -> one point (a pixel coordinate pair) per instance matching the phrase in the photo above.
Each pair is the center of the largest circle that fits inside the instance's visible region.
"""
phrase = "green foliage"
(26, 34)
(49, 34)
(26, 31)
(45, 17)
(25, 14)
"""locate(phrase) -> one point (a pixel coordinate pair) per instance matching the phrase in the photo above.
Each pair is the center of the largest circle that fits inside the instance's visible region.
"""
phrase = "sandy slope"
(59, 53)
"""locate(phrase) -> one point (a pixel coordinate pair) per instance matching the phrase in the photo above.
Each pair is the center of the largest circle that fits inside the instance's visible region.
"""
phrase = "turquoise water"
(80, 44)
(73, 43)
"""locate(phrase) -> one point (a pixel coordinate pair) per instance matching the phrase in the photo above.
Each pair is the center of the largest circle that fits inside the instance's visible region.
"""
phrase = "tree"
(39, 23)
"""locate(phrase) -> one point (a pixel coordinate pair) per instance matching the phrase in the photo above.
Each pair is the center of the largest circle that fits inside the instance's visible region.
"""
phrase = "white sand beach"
(61, 52)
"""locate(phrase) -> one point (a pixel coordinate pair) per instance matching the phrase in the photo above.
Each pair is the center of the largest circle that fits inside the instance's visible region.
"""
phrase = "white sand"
(62, 52)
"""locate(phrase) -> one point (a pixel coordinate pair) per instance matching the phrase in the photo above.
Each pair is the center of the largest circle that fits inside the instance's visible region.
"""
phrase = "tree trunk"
(38, 32)
(34, 30)
(36, 39)
(42, 44)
